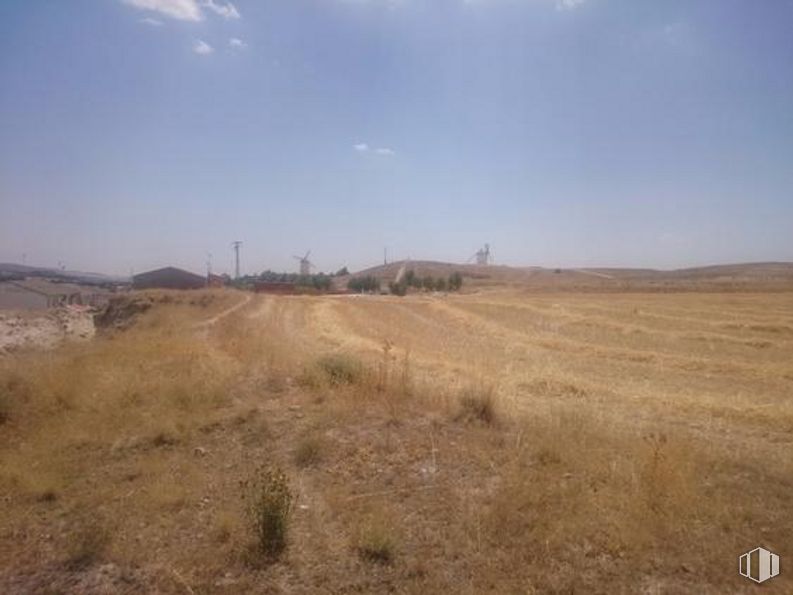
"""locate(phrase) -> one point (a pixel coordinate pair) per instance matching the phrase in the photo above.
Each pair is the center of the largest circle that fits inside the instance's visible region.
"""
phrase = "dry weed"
(268, 504)
(477, 404)
(375, 538)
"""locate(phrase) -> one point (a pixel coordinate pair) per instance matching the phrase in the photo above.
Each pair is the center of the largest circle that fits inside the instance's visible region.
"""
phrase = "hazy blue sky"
(140, 133)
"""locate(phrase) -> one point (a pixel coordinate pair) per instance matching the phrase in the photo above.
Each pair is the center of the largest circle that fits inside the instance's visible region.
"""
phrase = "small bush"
(268, 502)
(399, 289)
(478, 405)
(308, 452)
(340, 369)
(375, 542)
(455, 281)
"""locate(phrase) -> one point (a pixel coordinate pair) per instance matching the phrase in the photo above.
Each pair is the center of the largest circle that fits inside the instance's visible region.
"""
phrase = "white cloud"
(393, 4)
(568, 4)
(183, 10)
(365, 148)
(227, 11)
(152, 22)
(202, 48)
(236, 43)
(186, 10)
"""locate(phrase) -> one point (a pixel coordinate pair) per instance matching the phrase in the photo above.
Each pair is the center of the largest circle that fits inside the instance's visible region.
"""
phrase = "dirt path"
(246, 299)
(594, 274)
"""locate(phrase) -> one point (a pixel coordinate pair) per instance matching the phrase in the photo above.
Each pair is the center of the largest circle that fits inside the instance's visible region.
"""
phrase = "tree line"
(318, 281)
(371, 284)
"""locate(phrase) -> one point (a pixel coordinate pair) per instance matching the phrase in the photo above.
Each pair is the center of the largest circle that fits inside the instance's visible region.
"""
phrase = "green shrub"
(268, 501)
(320, 281)
(399, 289)
(340, 369)
(455, 281)
(366, 284)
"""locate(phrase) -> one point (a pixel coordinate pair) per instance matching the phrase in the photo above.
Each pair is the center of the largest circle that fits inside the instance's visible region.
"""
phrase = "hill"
(768, 275)
(11, 271)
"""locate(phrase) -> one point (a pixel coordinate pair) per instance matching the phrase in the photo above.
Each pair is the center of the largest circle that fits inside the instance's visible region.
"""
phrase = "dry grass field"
(498, 441)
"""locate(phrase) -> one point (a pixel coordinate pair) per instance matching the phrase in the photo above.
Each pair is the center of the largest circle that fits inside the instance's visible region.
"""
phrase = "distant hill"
(743, 275)
(438, 269)
(15, 271)
(753, 270)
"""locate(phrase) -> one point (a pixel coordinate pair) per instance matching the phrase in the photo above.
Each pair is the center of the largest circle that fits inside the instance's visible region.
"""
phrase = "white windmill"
(305, 263)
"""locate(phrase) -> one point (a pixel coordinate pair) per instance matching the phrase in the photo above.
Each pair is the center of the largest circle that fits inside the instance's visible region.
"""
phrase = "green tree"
(455, 281)
(364, 284)
(399, 289)
(321, 282)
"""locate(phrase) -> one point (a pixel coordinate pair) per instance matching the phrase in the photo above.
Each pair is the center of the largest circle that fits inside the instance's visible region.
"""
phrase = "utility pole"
(385, 256)
(209, 266)
(236, 244)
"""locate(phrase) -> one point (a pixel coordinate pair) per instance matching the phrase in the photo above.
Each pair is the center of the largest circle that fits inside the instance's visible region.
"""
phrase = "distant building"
(39, 294)
(168, 278)
(217, 280)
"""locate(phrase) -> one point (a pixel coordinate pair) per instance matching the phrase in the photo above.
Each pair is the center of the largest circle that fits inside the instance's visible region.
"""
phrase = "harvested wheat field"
(496, 441)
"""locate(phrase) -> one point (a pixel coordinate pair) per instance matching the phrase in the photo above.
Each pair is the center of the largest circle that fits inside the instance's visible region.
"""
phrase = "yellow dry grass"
(491, 442)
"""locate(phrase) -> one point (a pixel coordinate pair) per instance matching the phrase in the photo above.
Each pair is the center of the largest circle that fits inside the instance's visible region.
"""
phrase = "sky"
(643, 133)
